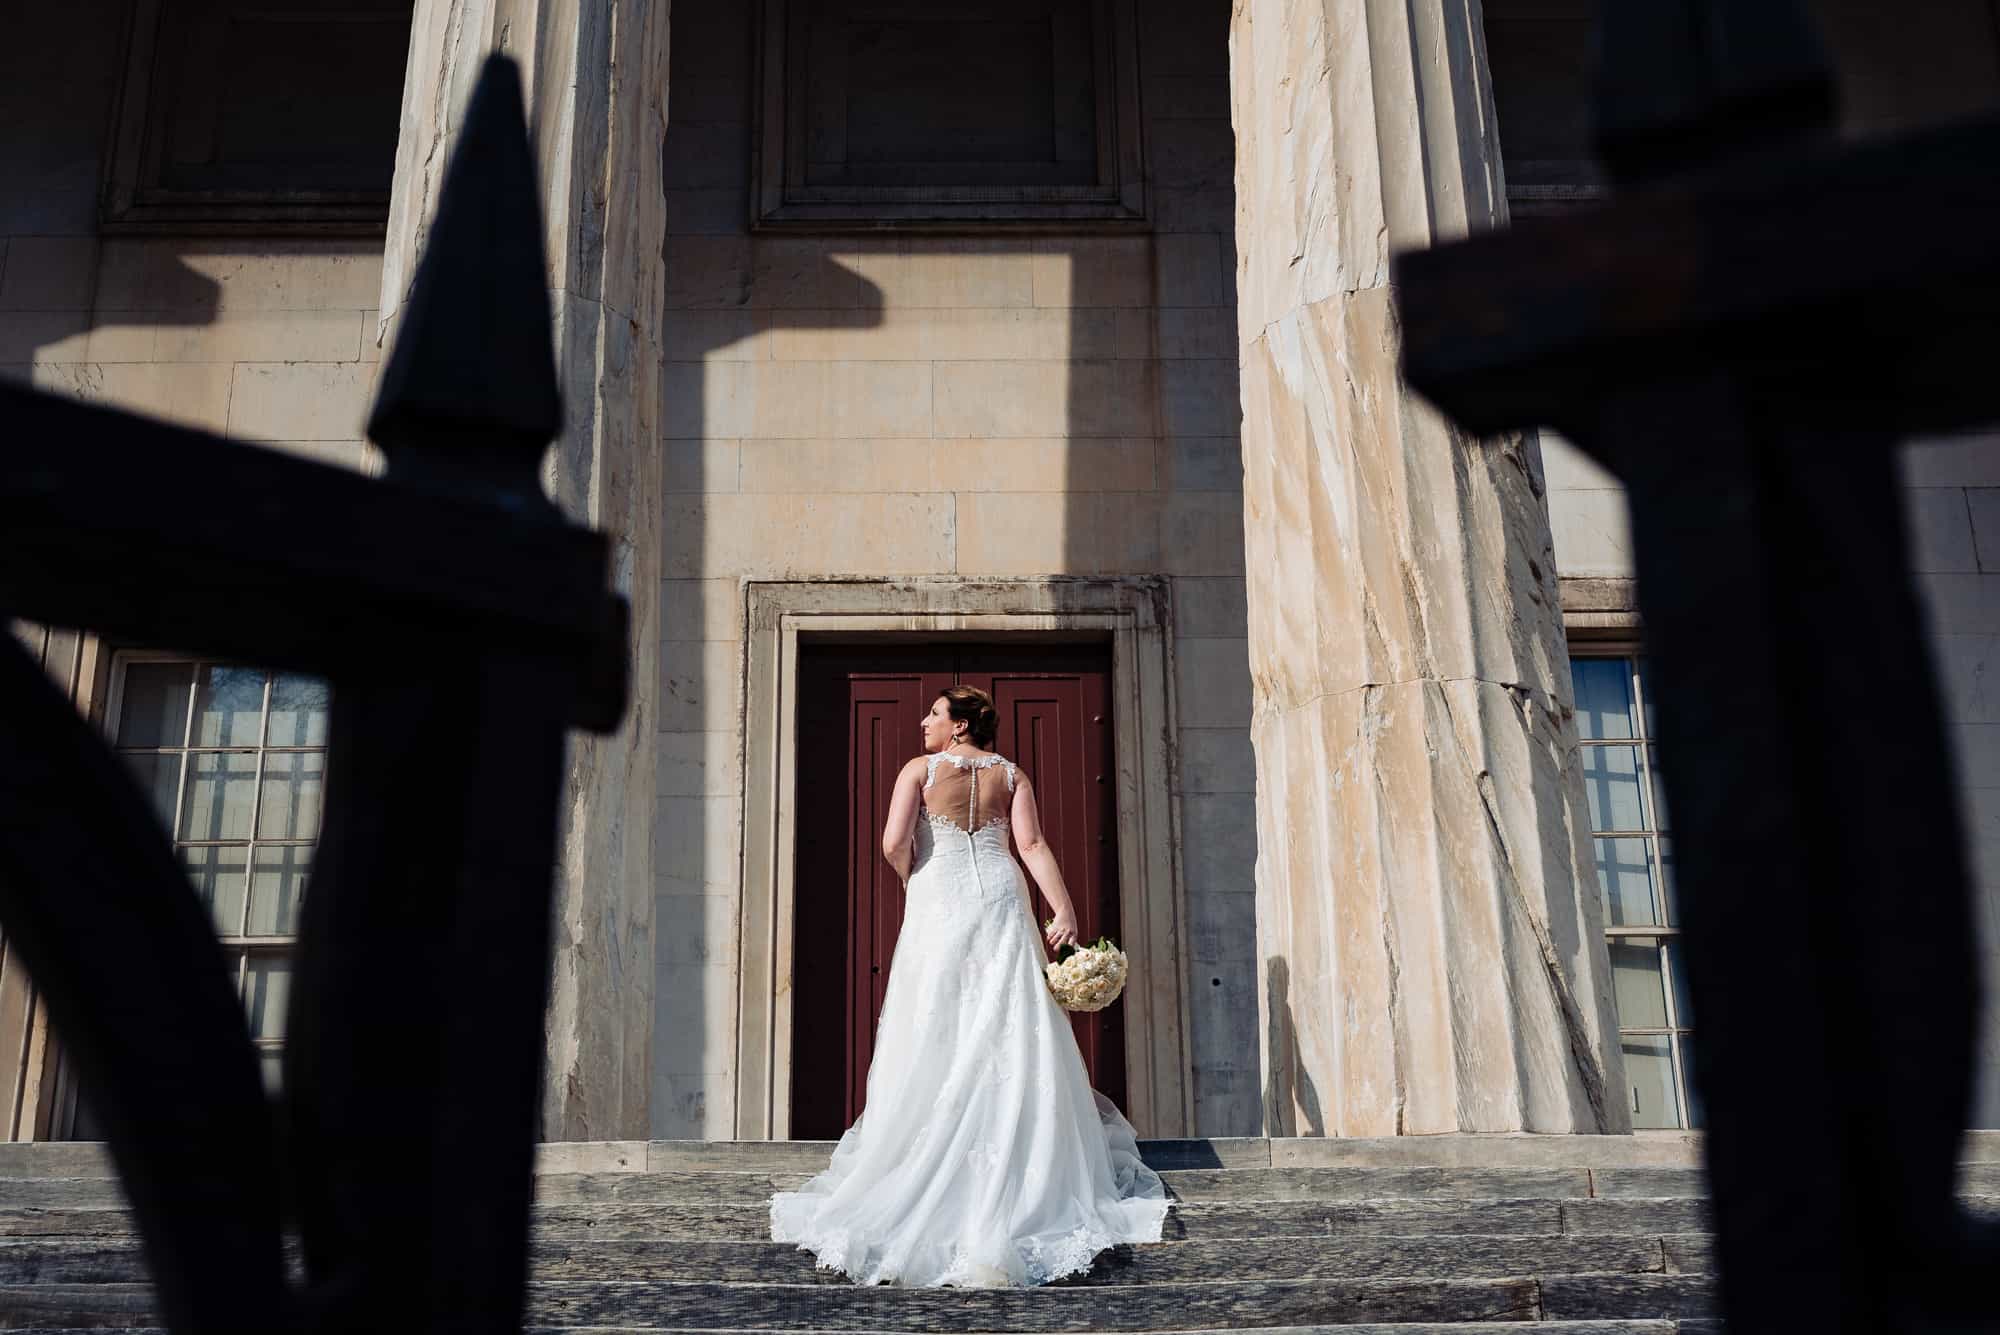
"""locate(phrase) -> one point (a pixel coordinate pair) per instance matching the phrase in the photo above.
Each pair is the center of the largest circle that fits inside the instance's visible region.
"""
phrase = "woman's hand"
(1061, 929)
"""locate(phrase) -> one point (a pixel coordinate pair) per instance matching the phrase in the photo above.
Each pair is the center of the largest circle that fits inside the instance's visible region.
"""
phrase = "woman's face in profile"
(937, 726)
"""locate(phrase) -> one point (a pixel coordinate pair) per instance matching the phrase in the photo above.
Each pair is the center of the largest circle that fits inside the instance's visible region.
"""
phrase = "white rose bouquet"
(1087, 978)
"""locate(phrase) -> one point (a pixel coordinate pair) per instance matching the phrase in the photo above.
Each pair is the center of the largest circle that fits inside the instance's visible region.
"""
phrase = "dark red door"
(858, 714)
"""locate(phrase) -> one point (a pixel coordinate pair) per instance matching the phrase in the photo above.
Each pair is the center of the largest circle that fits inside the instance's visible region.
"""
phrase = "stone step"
(1162, 1307)
(1645, 1150)
(1397, 1328)
(1469, 1256)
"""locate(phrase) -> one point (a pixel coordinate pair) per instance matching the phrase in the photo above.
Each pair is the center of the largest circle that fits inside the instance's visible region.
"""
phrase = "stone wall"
(263, 339)
(988, 404)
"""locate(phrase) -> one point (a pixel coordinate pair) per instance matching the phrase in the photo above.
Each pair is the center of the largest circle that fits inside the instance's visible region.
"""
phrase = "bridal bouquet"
(1087, 978)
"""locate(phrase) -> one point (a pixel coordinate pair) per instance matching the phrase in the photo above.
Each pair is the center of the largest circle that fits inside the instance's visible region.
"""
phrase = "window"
(1539, 52)
(941, 111)
(1633, 854)
(264, 115)
(235, 761)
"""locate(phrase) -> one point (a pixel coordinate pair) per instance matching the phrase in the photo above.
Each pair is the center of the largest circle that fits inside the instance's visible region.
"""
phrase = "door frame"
(1134, 616)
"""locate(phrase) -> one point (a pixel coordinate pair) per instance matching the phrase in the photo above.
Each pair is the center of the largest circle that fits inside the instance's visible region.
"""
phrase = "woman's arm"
(902, 822)
(1041, 863)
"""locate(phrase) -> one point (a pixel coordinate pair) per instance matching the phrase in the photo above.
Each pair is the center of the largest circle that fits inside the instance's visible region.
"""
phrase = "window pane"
(265, 994)
(299, 708)
(217, 877)
(1603, 696)
(1611, 784)
(1649, 1070)
(229, 706)
(288, 808)
(1636, 980)
(154, 710)
(1625, 878)
(1643, 670)
(221, 795)
(160, 776)
(277, 882)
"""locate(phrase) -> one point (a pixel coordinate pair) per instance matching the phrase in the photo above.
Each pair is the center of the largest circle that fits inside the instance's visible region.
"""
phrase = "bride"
(983, 1158)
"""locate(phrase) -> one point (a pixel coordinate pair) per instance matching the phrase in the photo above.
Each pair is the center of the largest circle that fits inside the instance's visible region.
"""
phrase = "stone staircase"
(1466, 1235)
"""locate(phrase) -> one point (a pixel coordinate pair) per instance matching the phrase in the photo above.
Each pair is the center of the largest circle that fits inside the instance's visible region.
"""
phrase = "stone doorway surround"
(1135, 616)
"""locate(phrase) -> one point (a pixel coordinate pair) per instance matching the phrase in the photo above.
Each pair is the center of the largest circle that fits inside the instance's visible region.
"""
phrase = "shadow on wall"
(1289, 1092)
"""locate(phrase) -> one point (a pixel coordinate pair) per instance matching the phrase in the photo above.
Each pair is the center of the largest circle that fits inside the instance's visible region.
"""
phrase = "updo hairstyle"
(974, 708)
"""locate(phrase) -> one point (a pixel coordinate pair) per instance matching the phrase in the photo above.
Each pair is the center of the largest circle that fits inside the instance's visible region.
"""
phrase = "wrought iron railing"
(1743, 335)
(465, 625)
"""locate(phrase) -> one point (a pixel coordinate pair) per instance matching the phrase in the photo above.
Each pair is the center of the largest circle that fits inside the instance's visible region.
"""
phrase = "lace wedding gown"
(984, 1157)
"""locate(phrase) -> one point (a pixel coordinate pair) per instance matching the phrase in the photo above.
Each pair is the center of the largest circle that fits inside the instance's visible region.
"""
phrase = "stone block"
(1009, 399)
(299, 275)
(300, 401)
(51, 337)
(1592, 532)
(1186, 97)
(1984, 503)
(1969, 459)
(1189, 270)
(1976, 749)
(1202, 532)
(332, 335)
(704, 465)
(49, 273)
(694, 1023)
(697, 840)
(590, 1156)
(1046, 465)
(1201, 209)
(1567, 468)
(1193, 154)
(1093, 271)
(1013, 533)
(1194, 332)
(798, 400)
(1219, 843)
(1216, 760)
(718, 212)
(707, 271)
(700, 686)
(1969, 673)
(1226, 1103)
(1114, 398)
(1222, 929)
(1961, 602)
(1207, 463)
(1209, 607)
(806, 273)
(356, 455)
(950, 273)
(368, 341)
(700, 609)
(699, 764)
(1201, 398)
(695, 930)
(682, 1106)
(705, 155)
(192, 394)
(772, 536)
(1213, 686)
(1940, 524)
(872, 334)
(840, 466)
(730, 334)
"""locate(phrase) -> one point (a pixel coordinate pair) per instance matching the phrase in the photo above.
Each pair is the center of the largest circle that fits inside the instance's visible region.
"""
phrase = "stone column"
(1429, 933)
(595, 72)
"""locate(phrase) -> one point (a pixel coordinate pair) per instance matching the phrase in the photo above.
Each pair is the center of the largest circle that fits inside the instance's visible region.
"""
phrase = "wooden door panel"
(859, 721)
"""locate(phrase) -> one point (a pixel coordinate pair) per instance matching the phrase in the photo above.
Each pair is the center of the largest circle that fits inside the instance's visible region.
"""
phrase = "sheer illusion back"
(963, 791)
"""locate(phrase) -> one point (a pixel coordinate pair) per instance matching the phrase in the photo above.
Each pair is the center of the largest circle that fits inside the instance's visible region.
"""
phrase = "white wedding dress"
(983, 1157)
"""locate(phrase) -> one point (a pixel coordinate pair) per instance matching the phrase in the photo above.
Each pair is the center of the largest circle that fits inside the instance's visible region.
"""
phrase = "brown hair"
(974, 708)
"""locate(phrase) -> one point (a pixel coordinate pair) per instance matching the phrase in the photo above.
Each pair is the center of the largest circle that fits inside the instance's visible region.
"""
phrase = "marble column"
(595, 74)
(1428, 926)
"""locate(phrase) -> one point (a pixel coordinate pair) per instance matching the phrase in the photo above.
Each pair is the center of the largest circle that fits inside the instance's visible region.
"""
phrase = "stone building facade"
(1045, 328)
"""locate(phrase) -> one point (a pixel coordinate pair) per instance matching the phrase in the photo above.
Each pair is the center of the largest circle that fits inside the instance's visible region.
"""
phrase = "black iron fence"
(465, 625)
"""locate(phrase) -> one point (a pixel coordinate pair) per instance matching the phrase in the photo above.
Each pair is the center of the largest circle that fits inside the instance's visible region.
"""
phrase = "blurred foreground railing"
(465, 625)
(1743, 335)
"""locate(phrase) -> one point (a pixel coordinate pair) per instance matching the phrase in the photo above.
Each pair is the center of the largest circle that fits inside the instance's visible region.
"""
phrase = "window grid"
(1653, 831)
(260, 960)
